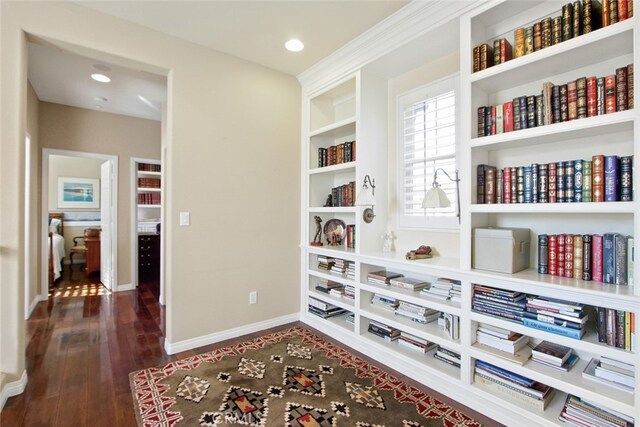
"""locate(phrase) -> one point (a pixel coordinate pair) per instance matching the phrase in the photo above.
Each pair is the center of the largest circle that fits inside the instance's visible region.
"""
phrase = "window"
(426, 142)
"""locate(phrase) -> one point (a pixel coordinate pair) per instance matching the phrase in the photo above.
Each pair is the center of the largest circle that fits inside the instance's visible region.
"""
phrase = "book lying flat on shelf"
(408, 283)
(582, 412)
(552, 353)
(590, 373)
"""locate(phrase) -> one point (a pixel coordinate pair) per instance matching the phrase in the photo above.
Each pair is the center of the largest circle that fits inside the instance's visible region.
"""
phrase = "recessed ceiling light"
(100, 78)
(294, 45)
(99, 107)
(101, 98)
(101, 67)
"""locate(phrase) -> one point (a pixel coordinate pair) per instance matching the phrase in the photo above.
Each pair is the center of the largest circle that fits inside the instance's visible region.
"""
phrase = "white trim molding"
(13, 389)
(180, 346)
(34, 303)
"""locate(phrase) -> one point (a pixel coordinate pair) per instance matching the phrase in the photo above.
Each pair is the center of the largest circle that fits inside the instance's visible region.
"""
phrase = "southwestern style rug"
(287, 378)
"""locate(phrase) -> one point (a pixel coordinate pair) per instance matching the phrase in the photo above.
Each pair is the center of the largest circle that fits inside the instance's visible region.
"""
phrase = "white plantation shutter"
(428, 142)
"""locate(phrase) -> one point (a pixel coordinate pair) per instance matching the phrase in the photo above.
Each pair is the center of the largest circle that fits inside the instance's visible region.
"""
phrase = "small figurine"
(317, 239)
(421, 253)
(329, 202)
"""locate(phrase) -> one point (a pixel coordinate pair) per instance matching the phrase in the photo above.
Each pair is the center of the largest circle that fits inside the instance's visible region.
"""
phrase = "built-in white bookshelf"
(354, 107)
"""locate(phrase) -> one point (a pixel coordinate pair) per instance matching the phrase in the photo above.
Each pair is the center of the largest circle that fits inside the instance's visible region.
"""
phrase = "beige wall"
(78, 129)
(33, 109)
(446, 243)
(233, 137)
(71, 167)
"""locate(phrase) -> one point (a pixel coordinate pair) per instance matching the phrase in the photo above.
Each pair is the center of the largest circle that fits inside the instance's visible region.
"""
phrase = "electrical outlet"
(253, 297)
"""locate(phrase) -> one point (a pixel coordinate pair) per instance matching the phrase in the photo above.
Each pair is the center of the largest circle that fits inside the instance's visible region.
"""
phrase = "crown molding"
(407, 24)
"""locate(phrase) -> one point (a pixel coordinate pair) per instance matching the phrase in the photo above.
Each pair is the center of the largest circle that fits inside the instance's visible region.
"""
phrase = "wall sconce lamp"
(365, 198)
(437, 198)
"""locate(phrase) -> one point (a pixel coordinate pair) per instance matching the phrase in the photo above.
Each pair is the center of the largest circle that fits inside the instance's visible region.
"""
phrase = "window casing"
(427, 140)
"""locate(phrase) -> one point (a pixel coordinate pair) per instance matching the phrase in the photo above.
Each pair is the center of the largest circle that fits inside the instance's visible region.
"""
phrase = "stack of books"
(554, 355)
(583, 412)
(500, 339)
(325, 263)
(349, 292)
(556, 316)
(324, 309)
(382, 277)
(337, 291)
(440, 289)
(456, 292)
(350, 318)
(415, 343)
(384, 302)
(611, 372)
(340, 266)
(514, 387)
(383, 331)
(351, 271)
(447, 356)
(417, 313)
(325, 285)
(408, 283)
(451, 325)
(500, 303)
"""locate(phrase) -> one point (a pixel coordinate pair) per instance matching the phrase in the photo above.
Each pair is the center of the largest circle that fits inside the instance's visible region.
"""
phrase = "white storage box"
(504, 250)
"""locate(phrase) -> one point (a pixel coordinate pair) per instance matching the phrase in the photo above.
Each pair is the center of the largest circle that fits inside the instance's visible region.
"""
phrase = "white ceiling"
(252, 30)
(257, 30)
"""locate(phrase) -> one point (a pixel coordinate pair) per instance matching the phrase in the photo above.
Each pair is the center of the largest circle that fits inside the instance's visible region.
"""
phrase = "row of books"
(447, 356)
(577, 18)
(148, 182)
(148, 167)
(336, 154)
(149, 198)
(444, 289)
(616, 328)
(350, 243)
(343, 195)
(511, 386)
(323, 309)
(578, 99)
(611, 372)
(604, 258)
(582, 412)
(601, 179)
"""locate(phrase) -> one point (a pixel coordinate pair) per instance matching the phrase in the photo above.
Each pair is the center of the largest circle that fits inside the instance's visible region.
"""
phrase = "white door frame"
(46, 153)
(27, 227)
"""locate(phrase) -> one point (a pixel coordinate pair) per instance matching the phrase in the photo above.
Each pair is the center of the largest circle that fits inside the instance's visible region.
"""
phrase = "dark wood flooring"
(81, 350)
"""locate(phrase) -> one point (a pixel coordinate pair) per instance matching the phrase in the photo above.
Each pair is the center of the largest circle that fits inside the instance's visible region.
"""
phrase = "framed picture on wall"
(78, 192)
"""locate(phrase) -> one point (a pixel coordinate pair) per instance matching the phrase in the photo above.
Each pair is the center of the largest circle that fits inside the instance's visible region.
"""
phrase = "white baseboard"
(177, 347)
(13, 389)
(125, 287)
(32, 306)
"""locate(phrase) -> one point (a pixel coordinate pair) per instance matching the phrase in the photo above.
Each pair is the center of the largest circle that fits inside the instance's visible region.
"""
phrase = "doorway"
(60, 167)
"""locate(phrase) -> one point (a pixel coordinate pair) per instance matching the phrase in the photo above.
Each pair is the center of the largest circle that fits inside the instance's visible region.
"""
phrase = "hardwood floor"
(81, 350)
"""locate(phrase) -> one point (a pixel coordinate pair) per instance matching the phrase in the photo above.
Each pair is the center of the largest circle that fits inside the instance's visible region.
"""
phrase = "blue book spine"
(577, 181)
(608, 258)
(554, 329)
(560, 183)
(611, 179)
(528, 184)
(534, 182)
(527, 382)
(487, 121)
(569, 181)
(523, 112)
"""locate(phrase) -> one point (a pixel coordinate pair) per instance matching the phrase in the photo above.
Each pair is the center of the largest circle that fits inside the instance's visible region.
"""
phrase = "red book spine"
(561, 244)
(596, 257)
(610, 94)
(553, 255)
(506, 179)
(507, 113)
(572, 98)
(505, 50)
(552, 183)
(568, 256)
(493, 120)
(597, 178)
(623, 12)
(592, 96)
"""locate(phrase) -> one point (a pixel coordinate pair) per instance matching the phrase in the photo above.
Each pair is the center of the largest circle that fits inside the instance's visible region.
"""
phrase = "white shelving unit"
(354, 107)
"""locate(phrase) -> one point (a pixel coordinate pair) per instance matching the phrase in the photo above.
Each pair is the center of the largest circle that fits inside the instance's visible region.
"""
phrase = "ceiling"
(252, 30)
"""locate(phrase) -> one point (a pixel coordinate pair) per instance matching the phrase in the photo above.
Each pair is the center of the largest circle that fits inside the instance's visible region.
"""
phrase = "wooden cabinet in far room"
(148, 257)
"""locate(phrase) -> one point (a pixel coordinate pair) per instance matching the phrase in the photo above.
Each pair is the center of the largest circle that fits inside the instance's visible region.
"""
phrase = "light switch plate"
(184, 218)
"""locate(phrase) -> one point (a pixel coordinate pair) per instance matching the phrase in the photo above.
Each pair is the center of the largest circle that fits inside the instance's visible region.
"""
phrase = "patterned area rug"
(287, 378)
